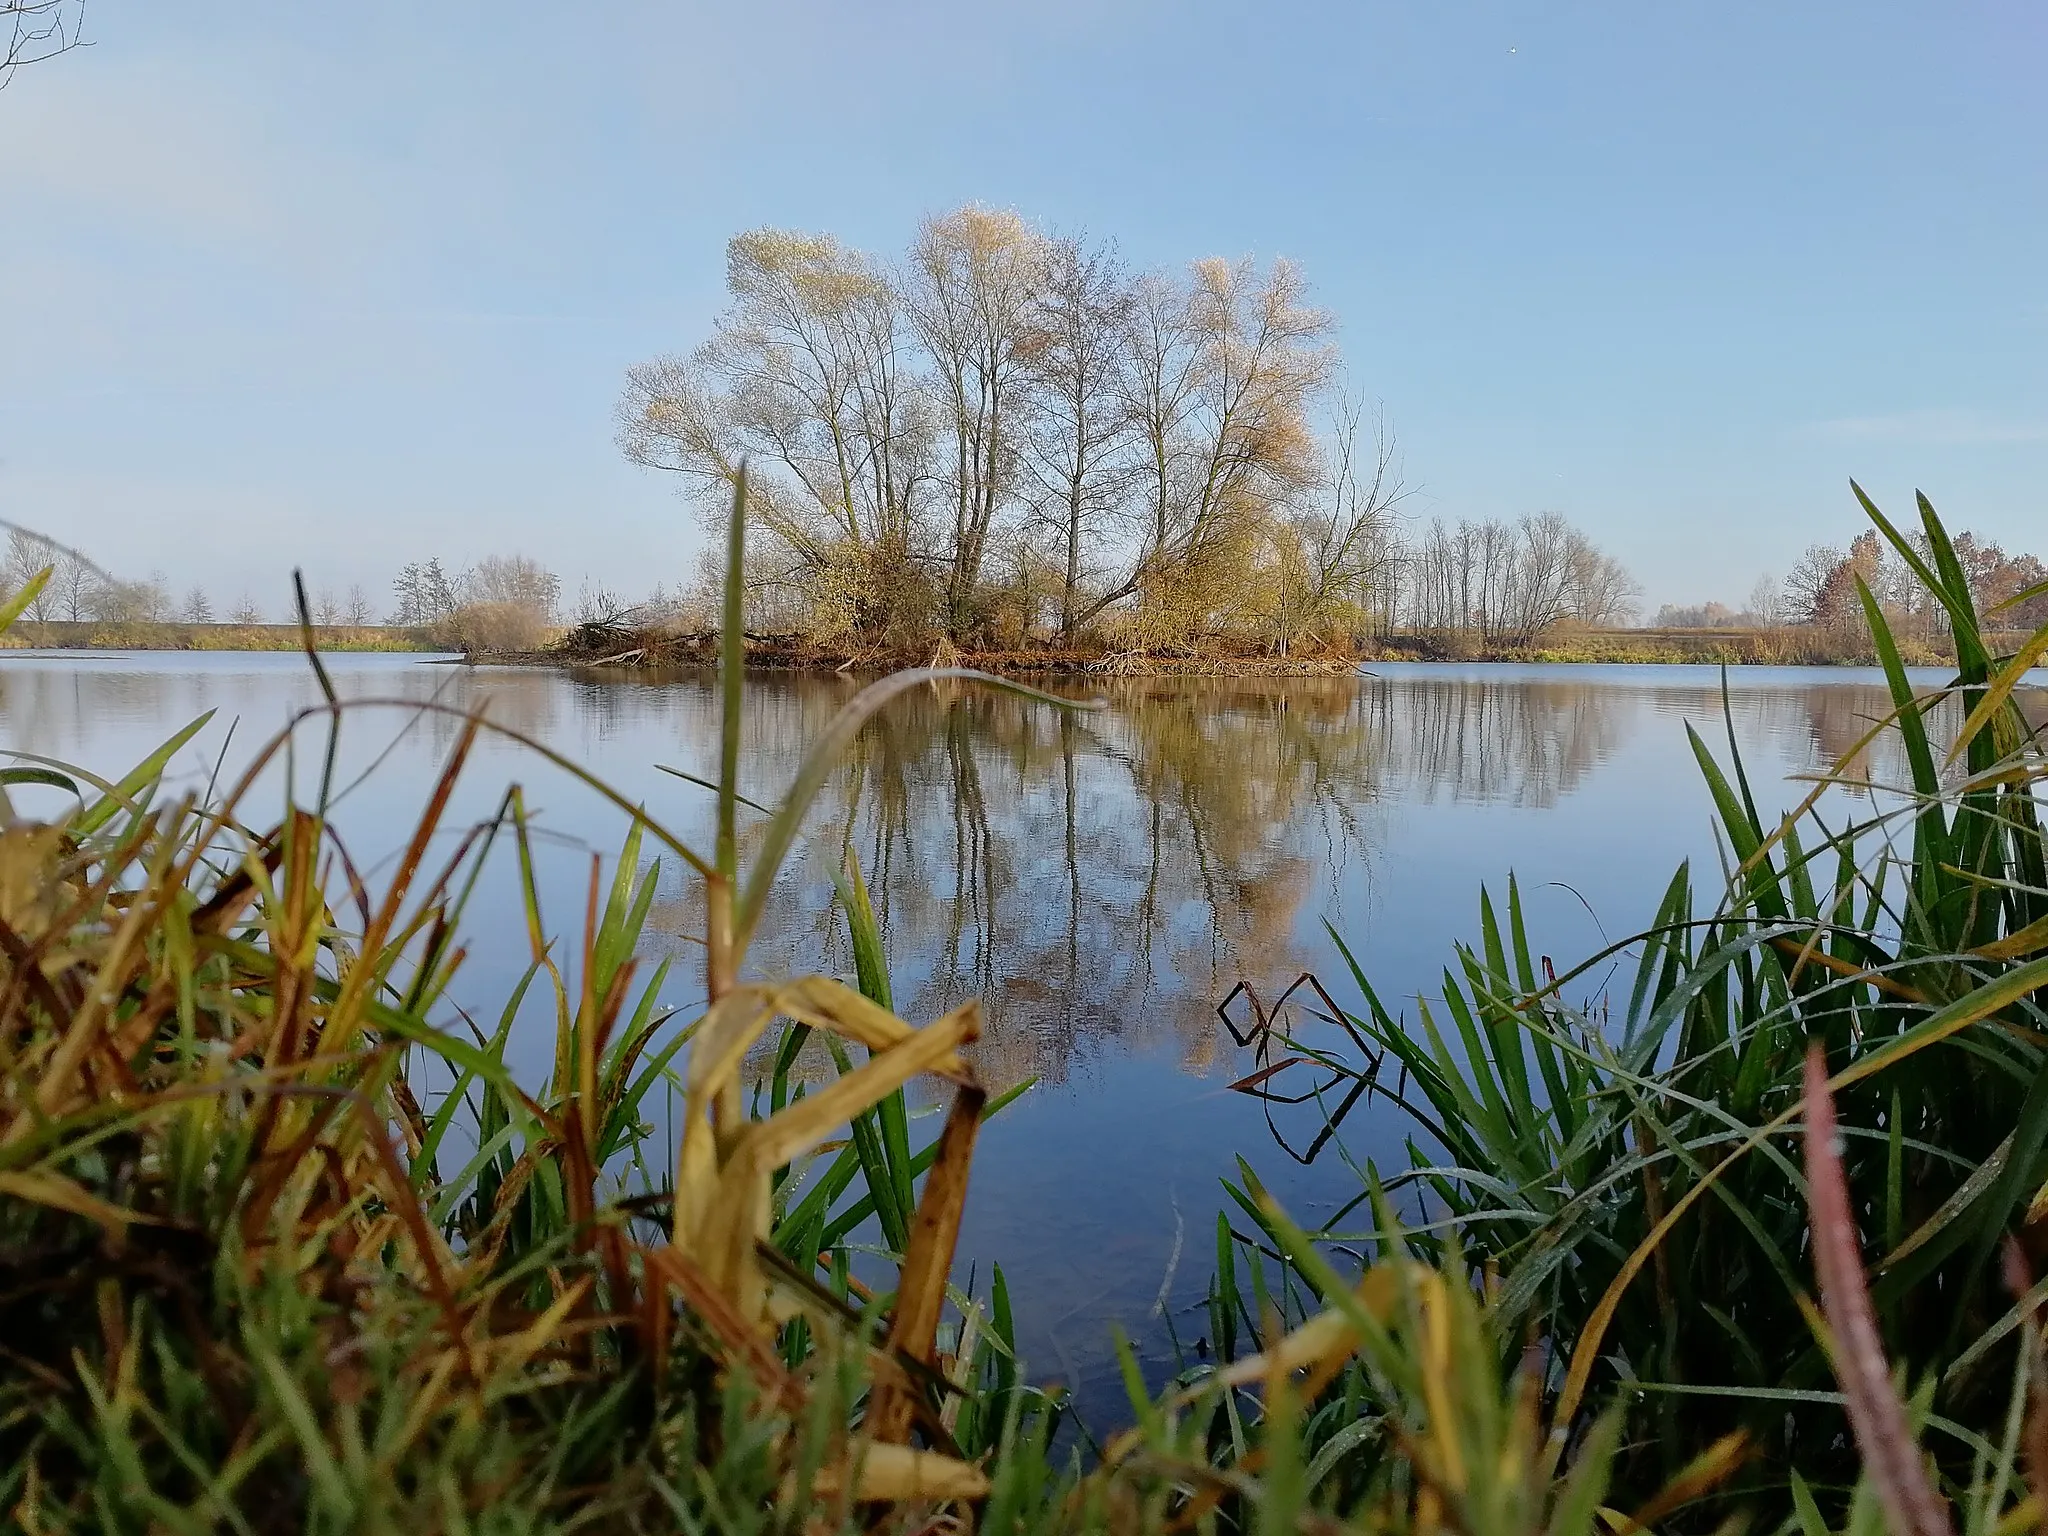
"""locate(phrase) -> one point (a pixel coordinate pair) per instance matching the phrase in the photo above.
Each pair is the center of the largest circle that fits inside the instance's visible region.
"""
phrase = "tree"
(326, 609)
(1765, 608)
(1163, 373)
(972, 293)
(1339, 551)
(356, 607)
(599, 607)
(247, 611)
(928, 443)
(1599, 590)
(73, 584)
(805, 377)
(152, 598)
(1224, 369)
(198, 608)
(1806, 592)
(28, 555)
(1984, 568)
(2024, 577)
(425, 595)
(1536, 591)
(1835, 600)
(1705, 616)
(1079, 421)
(1508, 582)
(513, 581)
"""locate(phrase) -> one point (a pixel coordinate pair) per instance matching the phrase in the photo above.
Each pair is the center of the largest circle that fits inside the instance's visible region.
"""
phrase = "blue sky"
(346, 286)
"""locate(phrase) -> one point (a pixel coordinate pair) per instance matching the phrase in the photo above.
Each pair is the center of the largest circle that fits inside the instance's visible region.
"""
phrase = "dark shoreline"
(644, 654)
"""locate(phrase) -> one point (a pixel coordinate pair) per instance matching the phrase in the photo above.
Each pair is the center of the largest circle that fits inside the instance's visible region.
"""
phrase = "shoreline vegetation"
(596, 647)
(135, 635)
(599, 645)
(288, 1246)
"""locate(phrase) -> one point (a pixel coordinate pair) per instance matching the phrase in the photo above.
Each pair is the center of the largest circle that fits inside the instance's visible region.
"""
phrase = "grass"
(1789, 645)
(285, 1246)
(1792, 645)
(228, 1279)
(1623, 1170)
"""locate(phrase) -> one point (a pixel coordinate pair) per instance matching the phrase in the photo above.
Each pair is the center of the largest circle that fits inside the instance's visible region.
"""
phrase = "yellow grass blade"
(899, 1474)
(2000, 689)
(62, 1194)
(807, 1122)
(921, 1289)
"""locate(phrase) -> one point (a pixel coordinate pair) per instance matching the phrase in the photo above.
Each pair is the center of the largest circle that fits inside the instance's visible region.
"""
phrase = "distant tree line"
(1821, 588)
(1006, 434)
(1509, 582)
(80, 591)
(502, 603)
(1820, 591)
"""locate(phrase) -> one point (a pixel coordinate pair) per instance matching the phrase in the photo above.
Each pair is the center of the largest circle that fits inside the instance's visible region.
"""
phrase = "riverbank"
(607, 648)
(797, 653)
(643, 652)
(92, 636)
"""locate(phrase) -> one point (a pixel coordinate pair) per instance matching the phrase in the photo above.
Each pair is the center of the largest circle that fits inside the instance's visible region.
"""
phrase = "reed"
(1613, 1147)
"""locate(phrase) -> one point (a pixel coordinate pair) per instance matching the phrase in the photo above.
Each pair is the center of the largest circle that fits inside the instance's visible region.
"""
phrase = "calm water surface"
(1099, 881)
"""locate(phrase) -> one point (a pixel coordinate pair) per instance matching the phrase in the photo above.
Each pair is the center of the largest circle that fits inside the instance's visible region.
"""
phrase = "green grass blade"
(128, 792)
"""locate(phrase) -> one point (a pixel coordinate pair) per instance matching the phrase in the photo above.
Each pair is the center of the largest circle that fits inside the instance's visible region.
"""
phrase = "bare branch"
(38, 30)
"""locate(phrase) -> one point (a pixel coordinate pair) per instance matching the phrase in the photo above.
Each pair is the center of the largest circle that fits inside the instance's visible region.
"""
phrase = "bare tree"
(1508, 582)
(247, 611)
(73, 585)
(1339, 551)
(1164, 374)
(1006, 426)
(1807, 583)
(153, 601)
(425, 594)
(357, 606)
(514, 581)
(35, 30)
(1081, 316)
(1706, 616)
(111, 601)
(1223, 370)
(1765, 607)
(1600, 591)
(1537, 578)
(972, 290)
(28, 555)
(804, 377)
(599, 607)
(326, 609)
(198, 607)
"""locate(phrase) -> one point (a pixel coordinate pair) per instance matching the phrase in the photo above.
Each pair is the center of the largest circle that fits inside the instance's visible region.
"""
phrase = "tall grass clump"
(1621, 1171)
(256, 1276)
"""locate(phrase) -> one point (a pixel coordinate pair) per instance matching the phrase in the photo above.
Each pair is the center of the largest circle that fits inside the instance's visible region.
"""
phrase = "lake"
(1100, 881)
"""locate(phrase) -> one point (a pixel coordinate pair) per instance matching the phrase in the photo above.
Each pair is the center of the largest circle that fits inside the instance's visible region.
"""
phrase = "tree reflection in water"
(1103, 880)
